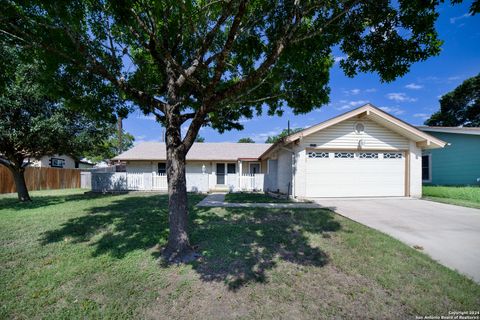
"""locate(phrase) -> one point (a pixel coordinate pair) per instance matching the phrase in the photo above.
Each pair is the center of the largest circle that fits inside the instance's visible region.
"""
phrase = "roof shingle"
(199, 151)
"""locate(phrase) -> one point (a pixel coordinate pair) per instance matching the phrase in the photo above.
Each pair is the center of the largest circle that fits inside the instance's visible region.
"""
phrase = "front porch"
(243, 175)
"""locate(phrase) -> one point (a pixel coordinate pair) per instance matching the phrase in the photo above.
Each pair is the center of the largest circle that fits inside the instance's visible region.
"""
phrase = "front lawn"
(69, 255)
(250, 197)
(462, 196)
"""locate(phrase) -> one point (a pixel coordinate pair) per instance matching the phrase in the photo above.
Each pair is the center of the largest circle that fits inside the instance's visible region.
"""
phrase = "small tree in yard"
(209, 63)
(32, 124)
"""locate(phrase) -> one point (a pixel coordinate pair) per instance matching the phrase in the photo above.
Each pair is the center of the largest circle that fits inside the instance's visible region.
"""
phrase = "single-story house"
(456, 164)
(362, 153)
(62, 162)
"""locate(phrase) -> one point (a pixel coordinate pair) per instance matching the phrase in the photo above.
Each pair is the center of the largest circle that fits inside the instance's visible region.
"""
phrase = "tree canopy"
(32, 124)
(246, 140)
(199, 138)
(460, 107)
(110, 146)
(283, 134)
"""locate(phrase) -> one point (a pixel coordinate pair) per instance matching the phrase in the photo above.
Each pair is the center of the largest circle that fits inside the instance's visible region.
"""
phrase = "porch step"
(220, 188)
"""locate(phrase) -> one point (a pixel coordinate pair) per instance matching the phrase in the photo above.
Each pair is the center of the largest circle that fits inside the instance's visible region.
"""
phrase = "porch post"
(239, 175)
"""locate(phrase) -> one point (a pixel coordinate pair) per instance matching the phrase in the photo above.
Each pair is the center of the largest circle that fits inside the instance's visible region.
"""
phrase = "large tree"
(210, 62)
(460, 107)
(32, 124)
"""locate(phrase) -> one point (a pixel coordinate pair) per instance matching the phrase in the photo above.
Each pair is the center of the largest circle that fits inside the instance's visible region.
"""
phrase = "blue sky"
(412, 98)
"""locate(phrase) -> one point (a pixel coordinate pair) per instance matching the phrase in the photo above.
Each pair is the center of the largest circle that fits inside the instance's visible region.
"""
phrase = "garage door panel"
(340, 177)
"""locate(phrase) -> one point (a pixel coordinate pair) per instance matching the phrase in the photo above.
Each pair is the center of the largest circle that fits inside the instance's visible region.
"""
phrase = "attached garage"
(365, 152)
(355, 174)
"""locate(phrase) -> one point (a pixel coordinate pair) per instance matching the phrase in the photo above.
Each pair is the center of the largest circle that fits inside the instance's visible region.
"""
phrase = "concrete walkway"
(449, 234)
(218, 200)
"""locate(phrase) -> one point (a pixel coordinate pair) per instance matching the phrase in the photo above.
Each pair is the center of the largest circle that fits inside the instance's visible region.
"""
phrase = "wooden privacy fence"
(41, 179)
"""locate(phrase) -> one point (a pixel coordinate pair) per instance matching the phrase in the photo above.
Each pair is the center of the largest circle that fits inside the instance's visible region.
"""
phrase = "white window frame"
(429, 155)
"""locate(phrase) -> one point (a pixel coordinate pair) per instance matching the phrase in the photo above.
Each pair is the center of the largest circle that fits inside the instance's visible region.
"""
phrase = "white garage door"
(355, 174)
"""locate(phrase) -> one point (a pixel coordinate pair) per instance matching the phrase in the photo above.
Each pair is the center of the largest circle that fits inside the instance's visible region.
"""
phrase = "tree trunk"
(19, 178)
(178, 248)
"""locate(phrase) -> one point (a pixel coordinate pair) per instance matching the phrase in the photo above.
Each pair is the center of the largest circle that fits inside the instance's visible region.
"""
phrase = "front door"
(220, 173)
(254, 168)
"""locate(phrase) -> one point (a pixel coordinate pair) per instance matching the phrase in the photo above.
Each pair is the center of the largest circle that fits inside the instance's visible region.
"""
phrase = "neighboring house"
(456, 164)
(62, 162)
(362, 153)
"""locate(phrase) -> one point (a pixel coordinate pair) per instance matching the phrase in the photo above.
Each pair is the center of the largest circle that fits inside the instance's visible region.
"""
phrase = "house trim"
(421, 138)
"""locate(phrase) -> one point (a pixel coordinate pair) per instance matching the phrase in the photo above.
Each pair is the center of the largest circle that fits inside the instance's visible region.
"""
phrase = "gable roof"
(227, 151)
(458, 130)
(423, 140)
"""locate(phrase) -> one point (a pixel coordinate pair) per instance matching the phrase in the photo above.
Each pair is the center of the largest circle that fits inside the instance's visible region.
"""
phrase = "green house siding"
(457, 163)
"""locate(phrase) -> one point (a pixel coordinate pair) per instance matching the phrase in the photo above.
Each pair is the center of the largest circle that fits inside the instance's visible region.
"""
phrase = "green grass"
(250, 197)
(461, 196)
(69, 255)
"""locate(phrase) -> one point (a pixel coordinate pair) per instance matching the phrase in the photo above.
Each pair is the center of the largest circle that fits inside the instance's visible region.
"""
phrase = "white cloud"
(142, 139)
(463, 16)
(350, 104)
(371, 90)
(261, 137)
(337, 59)
(423, 116)
(400, 97)
(150, 117)
(353, 91)
(414, 86)
(393, 110)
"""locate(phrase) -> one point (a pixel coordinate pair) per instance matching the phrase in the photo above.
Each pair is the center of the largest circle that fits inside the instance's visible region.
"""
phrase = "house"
(456, 164)
(62, 162)
(362, 153)
(209, 167)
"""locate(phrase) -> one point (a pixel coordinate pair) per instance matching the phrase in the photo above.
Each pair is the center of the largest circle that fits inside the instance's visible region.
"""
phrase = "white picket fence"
(196, 182)
(159, 181)
(251, 182)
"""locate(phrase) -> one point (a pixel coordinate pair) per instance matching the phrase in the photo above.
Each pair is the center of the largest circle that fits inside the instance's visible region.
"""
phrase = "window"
(368, 155)
(318, 154)
(359, 127)
(346, 155)
(57, 163)
(426, 170)
(162, 168)
(231, 168)
(392, 155)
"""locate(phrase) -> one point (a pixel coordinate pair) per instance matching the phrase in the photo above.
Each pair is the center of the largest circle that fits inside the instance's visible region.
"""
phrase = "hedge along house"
(362, 153)
(458, 163)
(209, 167)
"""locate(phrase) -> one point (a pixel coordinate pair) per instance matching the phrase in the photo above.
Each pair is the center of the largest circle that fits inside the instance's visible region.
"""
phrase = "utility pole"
(288, 127)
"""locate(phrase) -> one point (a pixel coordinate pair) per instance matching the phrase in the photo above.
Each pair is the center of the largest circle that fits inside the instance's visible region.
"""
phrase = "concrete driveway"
(449, 234)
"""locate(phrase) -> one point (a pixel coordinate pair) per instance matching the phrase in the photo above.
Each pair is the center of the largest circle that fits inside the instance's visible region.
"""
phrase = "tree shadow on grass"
(39, 201)
(238, 245)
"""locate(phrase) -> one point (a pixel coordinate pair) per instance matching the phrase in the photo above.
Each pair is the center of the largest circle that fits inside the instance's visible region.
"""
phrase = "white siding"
(343, 135)
(300, 168)
(415, 170)
(284, 171)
